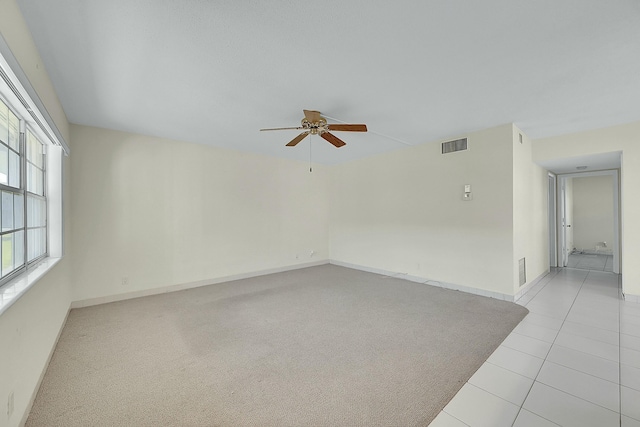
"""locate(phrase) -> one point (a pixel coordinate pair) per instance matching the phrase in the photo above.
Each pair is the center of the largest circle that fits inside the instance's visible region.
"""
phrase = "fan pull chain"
(310, 139)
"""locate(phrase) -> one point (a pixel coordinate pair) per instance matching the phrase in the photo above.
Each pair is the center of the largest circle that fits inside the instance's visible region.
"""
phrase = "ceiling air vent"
(453, 146)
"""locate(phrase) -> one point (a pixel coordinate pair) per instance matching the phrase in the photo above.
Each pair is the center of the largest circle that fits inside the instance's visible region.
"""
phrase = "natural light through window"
(31, 157)
(23, 202)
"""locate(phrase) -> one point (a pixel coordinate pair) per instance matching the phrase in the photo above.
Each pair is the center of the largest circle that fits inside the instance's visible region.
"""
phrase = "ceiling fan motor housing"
(315, 128)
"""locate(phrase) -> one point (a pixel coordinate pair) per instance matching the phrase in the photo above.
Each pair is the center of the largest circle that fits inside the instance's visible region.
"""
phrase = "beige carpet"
(322, 346)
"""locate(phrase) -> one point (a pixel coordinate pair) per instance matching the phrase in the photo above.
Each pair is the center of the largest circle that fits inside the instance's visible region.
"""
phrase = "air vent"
(453, 146)
(522, 269)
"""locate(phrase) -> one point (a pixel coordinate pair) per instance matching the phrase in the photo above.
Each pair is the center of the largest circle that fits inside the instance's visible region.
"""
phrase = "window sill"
(12, 291)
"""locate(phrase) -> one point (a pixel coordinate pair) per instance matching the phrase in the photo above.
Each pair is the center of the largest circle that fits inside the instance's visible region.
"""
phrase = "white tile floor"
(573, 361)
(600, 262)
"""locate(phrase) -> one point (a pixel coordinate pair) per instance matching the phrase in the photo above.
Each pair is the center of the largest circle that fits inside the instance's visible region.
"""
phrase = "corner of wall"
(530, 213)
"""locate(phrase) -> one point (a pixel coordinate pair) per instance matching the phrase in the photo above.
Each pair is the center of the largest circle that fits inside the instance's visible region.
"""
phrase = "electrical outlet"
(10, 405)
(125, 281)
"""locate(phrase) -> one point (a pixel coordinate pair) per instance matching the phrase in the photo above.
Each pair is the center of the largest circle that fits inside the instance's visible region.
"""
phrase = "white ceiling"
(214, 72)
(595, 162)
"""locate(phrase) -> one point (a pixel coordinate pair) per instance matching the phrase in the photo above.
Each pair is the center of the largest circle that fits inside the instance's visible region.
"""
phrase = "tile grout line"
(584, 352)
(581, 372)
(577, 397)
(486, 361)
(514, 372)
(452, 416)
(620, 348)
(554, 340)
(550, 279)
(495, 395)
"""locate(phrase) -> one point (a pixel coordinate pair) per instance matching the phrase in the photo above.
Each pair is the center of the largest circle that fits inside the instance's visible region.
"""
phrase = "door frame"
(562, 178)
(562, 253)
(552, 198)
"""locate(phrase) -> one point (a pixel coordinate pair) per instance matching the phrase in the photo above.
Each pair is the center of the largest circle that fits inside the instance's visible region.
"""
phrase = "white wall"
(624, 138)
(404, 212)
(530, 212)
(30, 327)
(163, 213)
(29, 330)
(593, 212)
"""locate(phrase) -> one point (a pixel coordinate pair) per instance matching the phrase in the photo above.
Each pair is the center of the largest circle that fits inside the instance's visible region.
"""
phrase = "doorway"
(588, 221)
(553, 236)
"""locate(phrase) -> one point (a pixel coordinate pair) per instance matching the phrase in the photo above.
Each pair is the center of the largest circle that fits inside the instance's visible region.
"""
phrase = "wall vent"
(522, 270)
(453, 146)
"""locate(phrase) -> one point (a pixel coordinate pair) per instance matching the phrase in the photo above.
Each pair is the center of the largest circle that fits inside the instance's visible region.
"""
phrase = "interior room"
(456, 147)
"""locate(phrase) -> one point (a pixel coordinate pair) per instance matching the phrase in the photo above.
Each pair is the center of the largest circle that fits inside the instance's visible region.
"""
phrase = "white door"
(553, 246)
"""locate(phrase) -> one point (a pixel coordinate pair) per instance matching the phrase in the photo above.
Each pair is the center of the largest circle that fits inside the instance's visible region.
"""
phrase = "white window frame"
(17, 93)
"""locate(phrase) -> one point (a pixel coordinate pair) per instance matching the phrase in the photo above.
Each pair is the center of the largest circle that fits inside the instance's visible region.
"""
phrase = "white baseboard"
(427, 281)
(179, 287)
(530, 285)
(593, 252)
(182, 286)
(631, 298)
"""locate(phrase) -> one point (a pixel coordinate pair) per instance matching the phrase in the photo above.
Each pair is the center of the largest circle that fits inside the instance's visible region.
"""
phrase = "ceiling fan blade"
(333, 139)
(312, 116)
(299, 127)
(347, 128)
(297, 139)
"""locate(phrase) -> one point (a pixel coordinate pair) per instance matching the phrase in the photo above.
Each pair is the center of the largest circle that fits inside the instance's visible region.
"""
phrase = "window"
(23, 199)
(36, 200)
(32, 151)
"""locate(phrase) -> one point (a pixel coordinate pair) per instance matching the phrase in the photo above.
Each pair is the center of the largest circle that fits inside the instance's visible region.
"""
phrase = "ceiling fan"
(313, 123)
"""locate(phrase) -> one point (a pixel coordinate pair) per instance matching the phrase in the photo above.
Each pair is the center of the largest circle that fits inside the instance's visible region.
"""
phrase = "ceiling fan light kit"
(314, 124)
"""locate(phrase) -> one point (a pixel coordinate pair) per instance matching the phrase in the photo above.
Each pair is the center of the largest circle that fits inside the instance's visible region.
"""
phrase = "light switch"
(467, 196)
